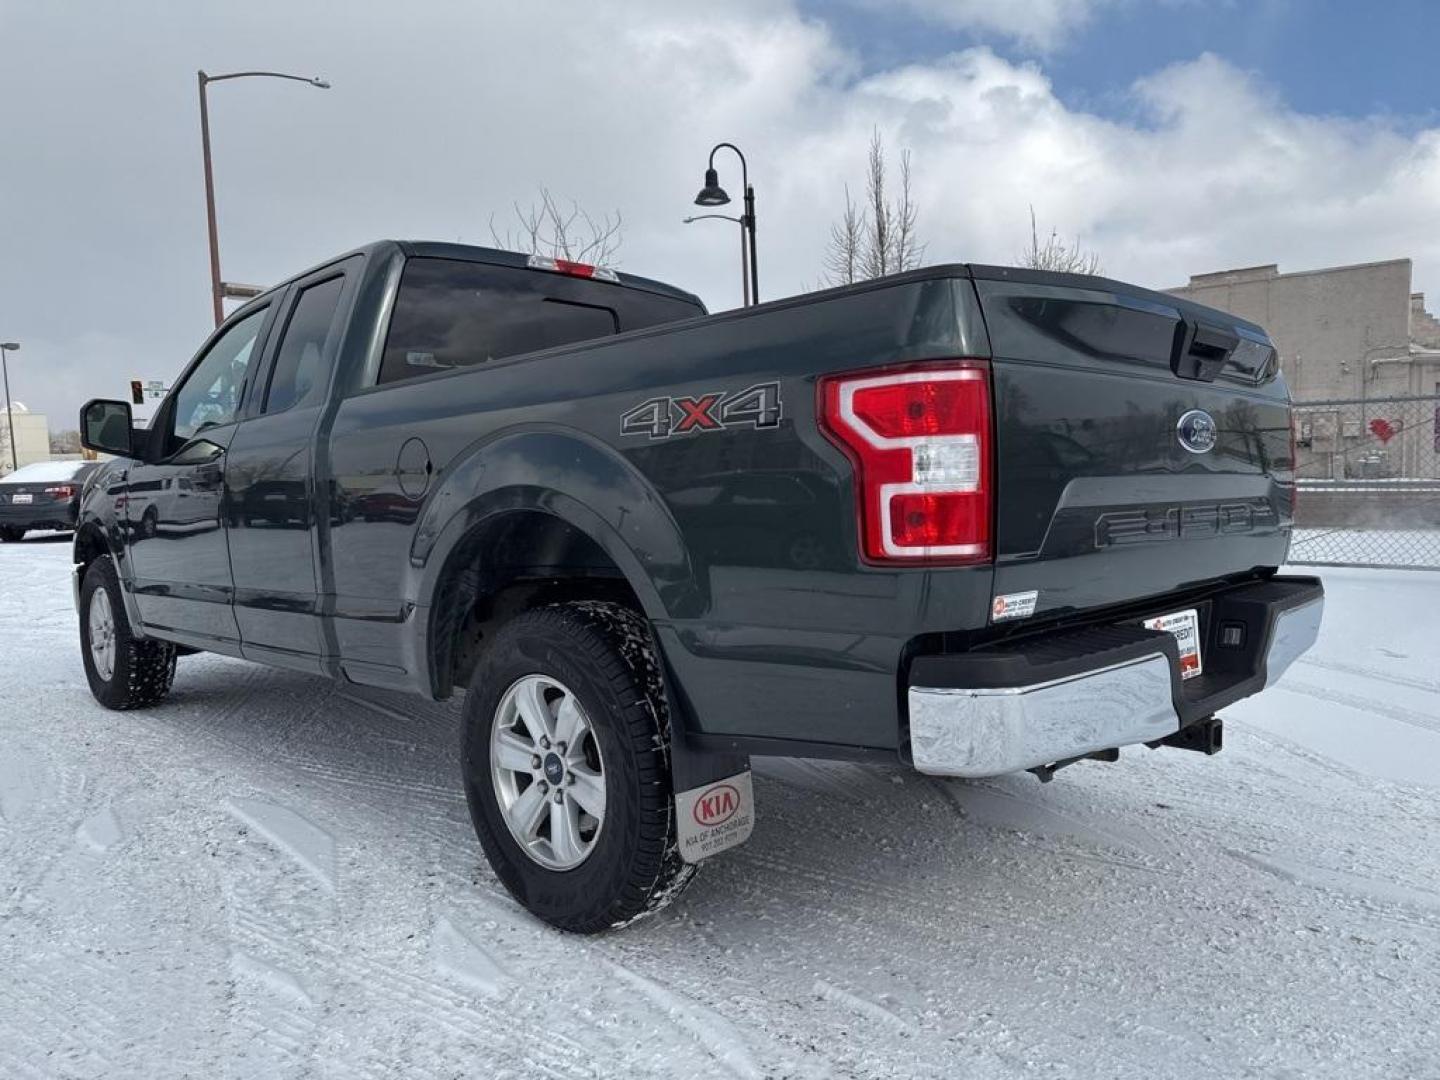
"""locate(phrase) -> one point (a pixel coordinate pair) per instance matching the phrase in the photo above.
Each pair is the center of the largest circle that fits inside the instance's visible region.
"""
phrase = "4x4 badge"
(756, 406)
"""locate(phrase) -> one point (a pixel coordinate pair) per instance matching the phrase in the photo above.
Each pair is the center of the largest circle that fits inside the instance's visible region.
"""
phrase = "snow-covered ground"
(273, 877)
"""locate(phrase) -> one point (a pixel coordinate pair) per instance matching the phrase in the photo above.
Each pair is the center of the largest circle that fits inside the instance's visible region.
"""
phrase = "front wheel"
(11, 535)
(566, 764)
(125, 672)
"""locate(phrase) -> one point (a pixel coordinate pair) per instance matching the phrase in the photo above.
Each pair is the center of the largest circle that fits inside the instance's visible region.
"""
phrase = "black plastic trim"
(761, 746)
(1229, 674)
(1063, 655)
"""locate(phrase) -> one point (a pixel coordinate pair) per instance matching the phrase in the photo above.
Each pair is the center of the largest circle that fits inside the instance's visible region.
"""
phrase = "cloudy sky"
(1171, 136)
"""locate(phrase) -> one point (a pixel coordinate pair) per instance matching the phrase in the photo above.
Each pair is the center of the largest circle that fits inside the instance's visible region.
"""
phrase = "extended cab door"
(175, 499)
(277, 516)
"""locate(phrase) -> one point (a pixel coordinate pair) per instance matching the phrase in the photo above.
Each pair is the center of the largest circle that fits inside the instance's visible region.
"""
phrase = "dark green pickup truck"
(972, 519)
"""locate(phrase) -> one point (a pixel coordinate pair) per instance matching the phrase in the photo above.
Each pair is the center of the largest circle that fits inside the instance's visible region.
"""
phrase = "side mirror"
(105, 427)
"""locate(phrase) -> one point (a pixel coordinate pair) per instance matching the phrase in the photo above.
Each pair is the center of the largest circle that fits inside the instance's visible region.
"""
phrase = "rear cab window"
(453, 313)
(301, 371)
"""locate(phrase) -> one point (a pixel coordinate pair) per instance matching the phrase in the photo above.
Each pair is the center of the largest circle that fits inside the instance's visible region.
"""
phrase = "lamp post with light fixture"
(744, 273)
(218, 290)
(9, 347)
(712, 194)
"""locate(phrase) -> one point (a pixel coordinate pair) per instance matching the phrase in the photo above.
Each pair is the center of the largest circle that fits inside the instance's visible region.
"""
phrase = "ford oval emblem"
(1196, 431)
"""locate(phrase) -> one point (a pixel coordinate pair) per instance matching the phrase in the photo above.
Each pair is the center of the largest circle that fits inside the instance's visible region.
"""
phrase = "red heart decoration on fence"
(1384, 430)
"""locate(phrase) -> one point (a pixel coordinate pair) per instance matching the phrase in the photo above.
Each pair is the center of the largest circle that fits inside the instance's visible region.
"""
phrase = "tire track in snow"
(100, 832)
(458, 956)
(45, 1011)
(470, 1017)
(990, 805)
(1320, 762)
(311, 847)
(17, 785)
(279, 886)
(373, 780)
(1350, 668)
(861, 1006)
(1360, 889)
(464, 1017)
(716, 1034)
(1424, 721)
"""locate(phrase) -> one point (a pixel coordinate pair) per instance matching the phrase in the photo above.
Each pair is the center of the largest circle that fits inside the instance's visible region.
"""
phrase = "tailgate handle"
(1201, 349)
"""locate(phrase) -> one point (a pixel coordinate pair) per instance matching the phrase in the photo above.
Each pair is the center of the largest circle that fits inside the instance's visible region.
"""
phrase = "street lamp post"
(744, 273)
(9, 347)
(712, 194)
(217, 287)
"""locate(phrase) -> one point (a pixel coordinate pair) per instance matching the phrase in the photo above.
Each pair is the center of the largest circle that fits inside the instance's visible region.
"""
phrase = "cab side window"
(307, 349)
(211, 395)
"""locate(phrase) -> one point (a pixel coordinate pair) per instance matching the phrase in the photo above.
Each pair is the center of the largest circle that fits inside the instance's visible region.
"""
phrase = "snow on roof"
(43, 472)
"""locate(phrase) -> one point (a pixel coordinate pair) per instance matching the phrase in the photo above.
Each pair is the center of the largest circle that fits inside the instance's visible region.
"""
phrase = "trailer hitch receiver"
(1205, 736)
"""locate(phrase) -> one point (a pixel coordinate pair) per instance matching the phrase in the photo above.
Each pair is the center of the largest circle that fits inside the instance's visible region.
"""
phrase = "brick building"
(1344, 332)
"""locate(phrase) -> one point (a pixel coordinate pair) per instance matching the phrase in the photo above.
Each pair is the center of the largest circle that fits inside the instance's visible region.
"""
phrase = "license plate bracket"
(1184, 627)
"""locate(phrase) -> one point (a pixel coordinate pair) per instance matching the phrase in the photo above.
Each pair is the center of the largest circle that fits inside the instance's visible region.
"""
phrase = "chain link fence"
(1369, 483)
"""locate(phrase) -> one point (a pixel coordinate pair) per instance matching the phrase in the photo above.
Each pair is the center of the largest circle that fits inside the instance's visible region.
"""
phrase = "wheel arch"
(511, 561)
(597, 528)
(92, 541)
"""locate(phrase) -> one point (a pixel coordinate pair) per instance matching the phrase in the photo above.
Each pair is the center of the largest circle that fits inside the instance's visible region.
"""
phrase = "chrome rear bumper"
(987, 731)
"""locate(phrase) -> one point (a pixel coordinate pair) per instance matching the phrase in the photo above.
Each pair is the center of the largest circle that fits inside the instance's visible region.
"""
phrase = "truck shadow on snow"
(832, 839)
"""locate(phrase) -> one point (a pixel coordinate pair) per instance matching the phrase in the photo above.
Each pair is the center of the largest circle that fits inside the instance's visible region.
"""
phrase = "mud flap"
(714, 817)
(714, 800)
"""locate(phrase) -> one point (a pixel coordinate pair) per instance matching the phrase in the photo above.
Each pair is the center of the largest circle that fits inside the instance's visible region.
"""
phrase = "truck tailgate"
(1142, 442)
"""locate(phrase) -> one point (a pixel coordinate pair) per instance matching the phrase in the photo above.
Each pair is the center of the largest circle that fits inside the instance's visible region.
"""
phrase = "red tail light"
(62, 491)
(920, 440)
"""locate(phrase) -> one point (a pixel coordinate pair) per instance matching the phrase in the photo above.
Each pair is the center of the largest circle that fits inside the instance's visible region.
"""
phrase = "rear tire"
(125, 672)
(588, 668)
(12, 535)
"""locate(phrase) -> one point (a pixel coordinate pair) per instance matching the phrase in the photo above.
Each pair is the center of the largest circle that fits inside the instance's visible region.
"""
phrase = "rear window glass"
(450, 313)
(302, 366)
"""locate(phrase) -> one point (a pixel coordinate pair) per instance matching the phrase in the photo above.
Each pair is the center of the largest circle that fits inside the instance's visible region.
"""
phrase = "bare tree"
(908, 249)
(845, 250)
(880, 236)
(547, 228)
(1055, 254)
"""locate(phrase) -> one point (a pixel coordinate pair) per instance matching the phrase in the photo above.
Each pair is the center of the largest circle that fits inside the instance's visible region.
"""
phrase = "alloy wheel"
(547, 771)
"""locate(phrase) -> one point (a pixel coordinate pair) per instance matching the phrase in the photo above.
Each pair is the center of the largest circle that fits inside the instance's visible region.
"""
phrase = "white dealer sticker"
(1185, 626)
(715, 817)
(1015, 605)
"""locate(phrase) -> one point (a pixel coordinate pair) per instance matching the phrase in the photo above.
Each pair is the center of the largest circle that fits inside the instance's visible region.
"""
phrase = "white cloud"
(441, 114)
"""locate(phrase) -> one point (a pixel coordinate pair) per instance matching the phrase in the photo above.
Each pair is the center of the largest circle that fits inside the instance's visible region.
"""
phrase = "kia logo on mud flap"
(716, 805)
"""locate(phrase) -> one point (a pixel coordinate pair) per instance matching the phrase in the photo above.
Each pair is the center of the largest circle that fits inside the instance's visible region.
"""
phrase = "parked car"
(45, 495)
(971, 519)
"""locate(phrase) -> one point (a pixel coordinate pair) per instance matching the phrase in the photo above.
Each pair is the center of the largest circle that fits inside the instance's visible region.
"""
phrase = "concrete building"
(32, 437)
(1344, 332)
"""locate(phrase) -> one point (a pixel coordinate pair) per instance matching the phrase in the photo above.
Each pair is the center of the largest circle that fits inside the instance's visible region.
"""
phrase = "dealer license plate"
(23, 497)
(1184, 626)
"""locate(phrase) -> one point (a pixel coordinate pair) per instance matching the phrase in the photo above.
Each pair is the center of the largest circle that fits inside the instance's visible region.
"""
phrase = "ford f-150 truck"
(972, 519)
